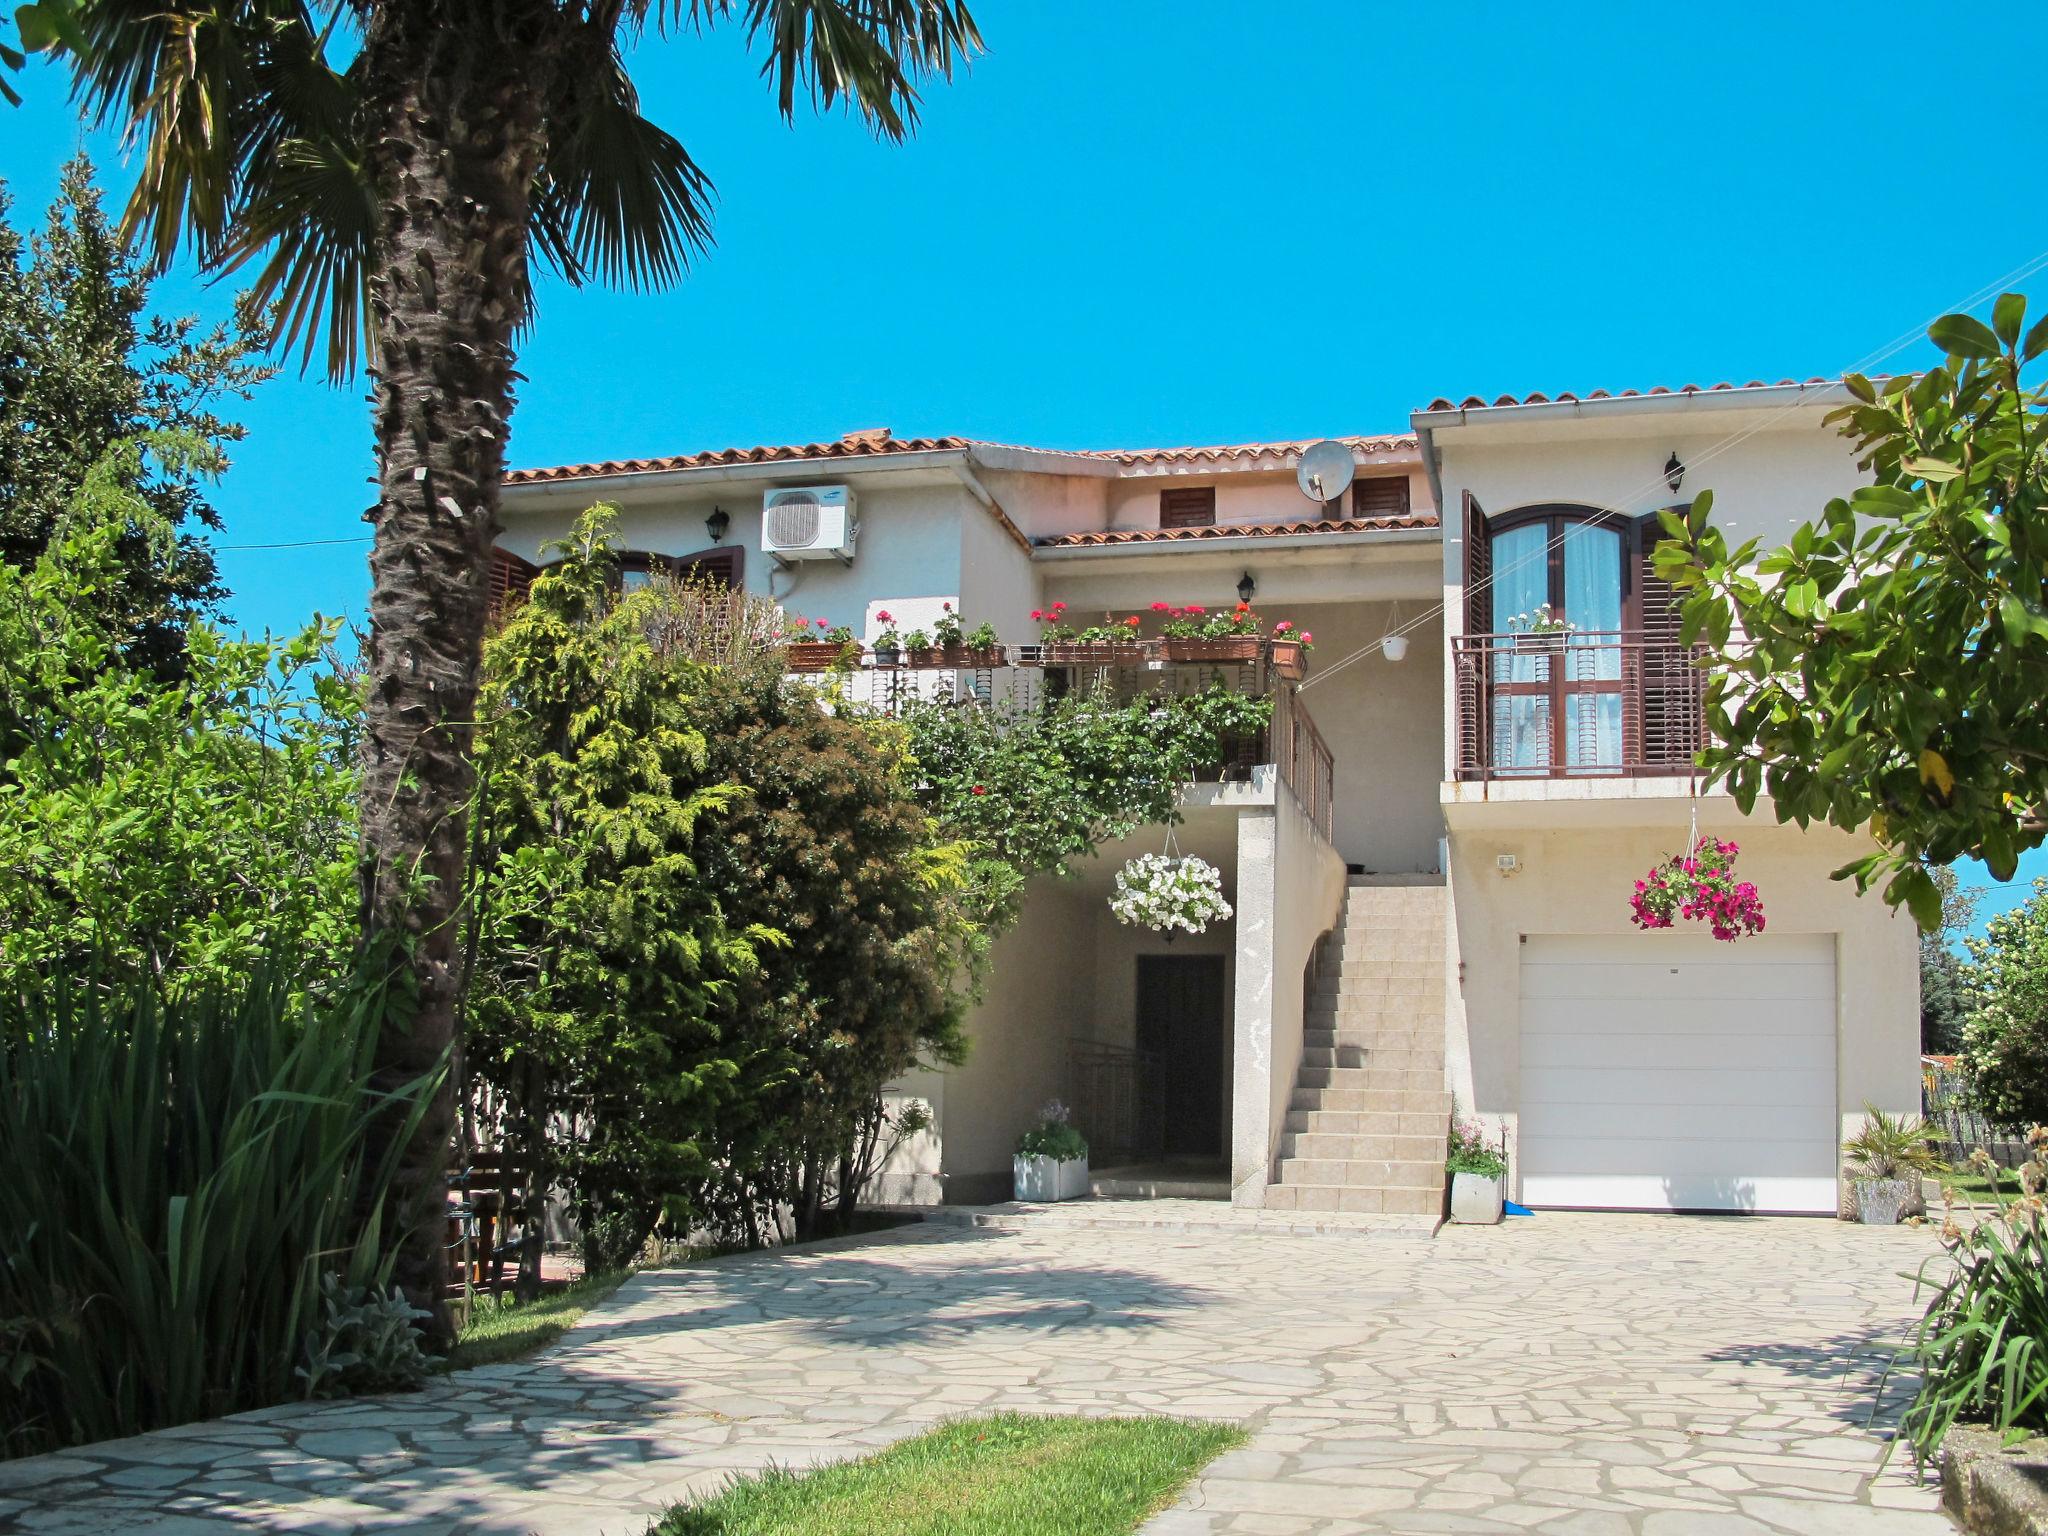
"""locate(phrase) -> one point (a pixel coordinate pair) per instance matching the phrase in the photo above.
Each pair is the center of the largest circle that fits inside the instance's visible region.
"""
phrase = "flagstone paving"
(1565, 1375)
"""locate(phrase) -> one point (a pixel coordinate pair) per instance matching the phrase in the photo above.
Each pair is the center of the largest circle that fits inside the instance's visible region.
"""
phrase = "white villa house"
(1430, 861)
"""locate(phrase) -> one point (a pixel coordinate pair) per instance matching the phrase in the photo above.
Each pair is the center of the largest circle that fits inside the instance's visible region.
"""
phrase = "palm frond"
(872, 52)
(617, 196)
(316, 215)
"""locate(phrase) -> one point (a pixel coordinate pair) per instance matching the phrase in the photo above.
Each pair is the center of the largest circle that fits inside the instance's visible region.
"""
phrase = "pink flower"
(821, 624)
(1038, 613)
(884, 616)
(1307, 638)
(1283, 626)
(947, 606)
(1161, 608)
(979, 789)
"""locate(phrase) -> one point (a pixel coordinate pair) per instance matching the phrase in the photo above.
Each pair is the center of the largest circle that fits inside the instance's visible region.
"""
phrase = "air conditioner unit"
(808, 522)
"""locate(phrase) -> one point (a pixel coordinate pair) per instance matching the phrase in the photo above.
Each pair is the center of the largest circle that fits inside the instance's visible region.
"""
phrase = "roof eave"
(1422, 534)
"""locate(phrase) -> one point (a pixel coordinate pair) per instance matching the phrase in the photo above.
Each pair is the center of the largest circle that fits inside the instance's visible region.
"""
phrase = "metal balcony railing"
(1576, 704)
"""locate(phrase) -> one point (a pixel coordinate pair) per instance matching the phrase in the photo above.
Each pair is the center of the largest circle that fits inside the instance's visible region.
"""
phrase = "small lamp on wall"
(1674, 472)
(717, 523)
(1246, 587)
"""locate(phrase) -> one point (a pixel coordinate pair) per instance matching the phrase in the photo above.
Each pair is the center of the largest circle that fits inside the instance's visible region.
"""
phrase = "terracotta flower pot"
(972, 657)
(925, 656)
(819, 655)
(1290, 659)
(1230, 648)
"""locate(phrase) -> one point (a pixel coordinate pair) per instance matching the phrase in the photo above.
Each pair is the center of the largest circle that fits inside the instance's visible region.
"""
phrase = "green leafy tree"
(84, 365)
(2005, 1040)
(171, 832)
(1884, 670)
(1944, 1001)
(603, 994)
(398, 167)
(829, 845)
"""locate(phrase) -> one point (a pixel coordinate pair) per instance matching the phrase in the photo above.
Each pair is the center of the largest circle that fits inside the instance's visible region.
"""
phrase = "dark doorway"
(1180, 1025)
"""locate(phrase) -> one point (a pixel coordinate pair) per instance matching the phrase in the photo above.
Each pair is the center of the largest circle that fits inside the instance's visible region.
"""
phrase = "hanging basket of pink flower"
(1699, 886)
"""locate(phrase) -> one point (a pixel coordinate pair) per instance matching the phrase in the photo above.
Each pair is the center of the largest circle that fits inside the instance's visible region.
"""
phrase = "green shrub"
(1979, 1347)
(1892, 1146)
(1468, 1151)
(1054, 1136)
(366, 1340)
(182, 1177)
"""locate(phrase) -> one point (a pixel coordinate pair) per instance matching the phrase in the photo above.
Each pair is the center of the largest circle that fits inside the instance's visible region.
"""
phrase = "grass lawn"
(1005, 1475)
(1968, 1181)
(500, 1329)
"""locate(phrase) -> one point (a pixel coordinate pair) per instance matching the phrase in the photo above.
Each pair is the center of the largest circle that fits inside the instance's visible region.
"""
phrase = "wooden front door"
(1181, 1026)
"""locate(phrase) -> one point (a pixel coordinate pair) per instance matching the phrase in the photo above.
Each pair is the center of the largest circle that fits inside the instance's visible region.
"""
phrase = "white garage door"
(1668, 1072)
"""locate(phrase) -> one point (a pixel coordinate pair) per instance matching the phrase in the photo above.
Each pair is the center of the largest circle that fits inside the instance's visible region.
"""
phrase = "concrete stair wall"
(1365, 1129)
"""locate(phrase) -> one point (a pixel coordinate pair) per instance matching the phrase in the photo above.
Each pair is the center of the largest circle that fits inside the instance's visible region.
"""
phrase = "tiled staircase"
(1365, 1131)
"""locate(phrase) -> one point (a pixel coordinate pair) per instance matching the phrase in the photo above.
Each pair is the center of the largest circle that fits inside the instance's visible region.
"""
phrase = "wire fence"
(1945, 1101)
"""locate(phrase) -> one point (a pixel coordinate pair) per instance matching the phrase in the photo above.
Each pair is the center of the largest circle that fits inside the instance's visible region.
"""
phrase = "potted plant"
(1053, 632)
(1113, 642)
(919, 651)
(961, 647)
(888, 644)
(1290, 648)
(1169, 894)
(1479, 1172)
(1052, 1158)
(1887, 1158)
(1194, 633)
(1540, 629)
(833, 647)
(1701, 887)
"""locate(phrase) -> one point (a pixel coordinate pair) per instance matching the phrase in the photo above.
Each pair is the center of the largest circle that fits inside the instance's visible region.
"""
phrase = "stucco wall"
(1383, 722)
(1577, 882)
(1290, 885)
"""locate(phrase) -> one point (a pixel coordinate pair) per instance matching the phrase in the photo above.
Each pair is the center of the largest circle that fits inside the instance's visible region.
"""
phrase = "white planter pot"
(1476, 1199)
(1041, 1180)
(1880, 1201)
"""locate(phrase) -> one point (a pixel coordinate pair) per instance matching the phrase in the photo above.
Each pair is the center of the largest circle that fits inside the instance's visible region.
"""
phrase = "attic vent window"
(1187, 506)
(1381, 496)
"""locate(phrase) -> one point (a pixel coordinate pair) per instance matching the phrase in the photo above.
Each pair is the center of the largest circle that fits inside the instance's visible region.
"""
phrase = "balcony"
(1576, 704)
(1027, 676)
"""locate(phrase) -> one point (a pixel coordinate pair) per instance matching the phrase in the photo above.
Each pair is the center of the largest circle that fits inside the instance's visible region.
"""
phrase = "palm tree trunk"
(451, 91)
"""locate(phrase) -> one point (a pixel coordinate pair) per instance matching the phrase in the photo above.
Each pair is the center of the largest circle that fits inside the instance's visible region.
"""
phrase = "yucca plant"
(180, 1175)
(1979, 1348)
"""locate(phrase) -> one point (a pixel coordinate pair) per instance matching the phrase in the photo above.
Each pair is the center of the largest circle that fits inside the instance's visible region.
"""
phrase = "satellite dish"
(1325, 471)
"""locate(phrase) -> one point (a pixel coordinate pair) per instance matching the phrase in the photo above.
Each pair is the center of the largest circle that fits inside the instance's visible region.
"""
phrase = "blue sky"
(1199, 222)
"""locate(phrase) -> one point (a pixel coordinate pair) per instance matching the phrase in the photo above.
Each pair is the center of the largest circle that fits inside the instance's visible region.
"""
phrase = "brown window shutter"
(1475, 725)
(1381, 496)
(511, 580)
(1187, 506)
(723, 566)
(1668, 730)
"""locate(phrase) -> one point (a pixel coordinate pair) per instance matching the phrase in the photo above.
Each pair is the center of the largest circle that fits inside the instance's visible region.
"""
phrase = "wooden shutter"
(1187, 506)
(722, 566)
(1381, 496)
(1667, 729)
(511, 580)
(1475, 706)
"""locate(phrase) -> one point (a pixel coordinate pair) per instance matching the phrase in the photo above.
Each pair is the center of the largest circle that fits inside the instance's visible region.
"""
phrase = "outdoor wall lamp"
(1246, 587)
(717, 523)
(1674, 472)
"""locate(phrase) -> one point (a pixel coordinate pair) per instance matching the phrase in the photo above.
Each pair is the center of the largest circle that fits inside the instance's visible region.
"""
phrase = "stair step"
(1329, 1146)
(1362, 1173)
(1357, 1079)
(1430, 1123)
(1433, 1104)
(1366, 1037)
(1374, 1058)
(1359, 1202)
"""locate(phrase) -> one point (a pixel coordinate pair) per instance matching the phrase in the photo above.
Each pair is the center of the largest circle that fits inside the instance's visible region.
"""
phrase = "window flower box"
(819, 655)
(1099, 653)
(971, 657)
(1230, 648)
(1290, 659)
(1042, 1180)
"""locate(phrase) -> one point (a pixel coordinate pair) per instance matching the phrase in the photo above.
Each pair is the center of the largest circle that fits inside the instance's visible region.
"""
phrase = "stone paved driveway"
(1569, 1375)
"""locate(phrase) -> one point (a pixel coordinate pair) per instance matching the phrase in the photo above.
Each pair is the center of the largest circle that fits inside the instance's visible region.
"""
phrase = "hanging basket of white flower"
(1169, 895)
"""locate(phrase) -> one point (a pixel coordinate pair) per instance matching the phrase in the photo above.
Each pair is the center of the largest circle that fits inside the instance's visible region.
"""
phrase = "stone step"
(1329, 1146)
(1430, 1123)
(1424, 968)
(1385, 1036)
(1363, 1173)
(1375, 1058)
(1360, 1202)
(1380, 945)
(1434, 1100)
(1362, 991)
(1358, 1079)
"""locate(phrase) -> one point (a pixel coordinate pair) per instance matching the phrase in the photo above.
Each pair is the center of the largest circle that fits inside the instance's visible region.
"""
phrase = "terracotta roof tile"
(1534, 397)
(877, 443)
(1236, 531)
(854, 446)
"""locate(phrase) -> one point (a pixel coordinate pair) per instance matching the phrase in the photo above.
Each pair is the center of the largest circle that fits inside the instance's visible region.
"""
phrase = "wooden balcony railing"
(1290, 742)
(1576, 704)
